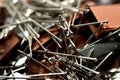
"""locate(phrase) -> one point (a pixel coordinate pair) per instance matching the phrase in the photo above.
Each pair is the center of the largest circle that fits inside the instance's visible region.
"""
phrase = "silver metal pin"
(109, 54)
(45, 30)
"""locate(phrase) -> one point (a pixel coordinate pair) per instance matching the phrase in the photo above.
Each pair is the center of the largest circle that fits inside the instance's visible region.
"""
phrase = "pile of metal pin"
(54, 42)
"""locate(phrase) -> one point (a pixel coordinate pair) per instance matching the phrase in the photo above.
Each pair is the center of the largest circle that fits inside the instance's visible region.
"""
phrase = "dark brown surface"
(6, 45)
(43, 39)
(110, 12)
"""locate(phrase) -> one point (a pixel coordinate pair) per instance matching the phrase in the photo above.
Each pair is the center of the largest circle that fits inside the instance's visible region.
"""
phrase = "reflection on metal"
(56, 40)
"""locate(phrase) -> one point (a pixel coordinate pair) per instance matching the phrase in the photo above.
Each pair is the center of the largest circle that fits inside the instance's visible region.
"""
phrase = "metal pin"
(50, 60)
(8, 29)
(57, 42)
(90, 52)
(61, 27)
(75, 14)
(96, 72)
(40, 44)
(63, 22)
(30, 45)
(33, 37)
(36, 39)
(5, 67)
(45, 29)
(42, 65)
(71, 42)
(106, 37)
(8, 77)
(23, 40)
(8, 9)
(66, 25)
(21, 68)
(69, 55)
(33, 31)
(33, 76)
(59, 8)
(47, 2)
(103, 60)
(90, 38)
(1, 35)
(69, 30)
(14, 24)
(47, 21)
(28, 37)
(49, 74)
(93, 23)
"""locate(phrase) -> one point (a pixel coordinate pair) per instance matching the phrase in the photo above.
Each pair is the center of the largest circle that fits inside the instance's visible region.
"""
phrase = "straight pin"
(68, 55)
(44, 66)
(45, 30)
(103, 60)
(93, 23)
